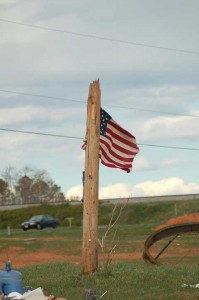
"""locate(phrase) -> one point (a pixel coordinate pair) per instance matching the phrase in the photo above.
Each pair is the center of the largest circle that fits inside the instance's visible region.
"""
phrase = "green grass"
(124, 281)
(70, 240)
(129, 238)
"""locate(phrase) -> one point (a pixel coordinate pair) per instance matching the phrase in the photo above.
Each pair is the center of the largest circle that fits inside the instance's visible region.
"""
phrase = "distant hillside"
(152, 213)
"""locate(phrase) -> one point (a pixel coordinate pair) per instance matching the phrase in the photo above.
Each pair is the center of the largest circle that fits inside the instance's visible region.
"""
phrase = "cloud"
(169, 128)
(12, 143)
(175, 162)
(35, 114)
(166, 186)
(142, 163)
(166, 97)
(75, 191)
(42, 55)
(61, 65)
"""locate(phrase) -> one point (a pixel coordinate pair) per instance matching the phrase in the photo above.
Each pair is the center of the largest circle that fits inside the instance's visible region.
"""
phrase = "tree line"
(27, 185)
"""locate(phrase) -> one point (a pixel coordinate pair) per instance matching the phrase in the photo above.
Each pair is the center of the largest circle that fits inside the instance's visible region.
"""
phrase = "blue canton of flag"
(104, 118)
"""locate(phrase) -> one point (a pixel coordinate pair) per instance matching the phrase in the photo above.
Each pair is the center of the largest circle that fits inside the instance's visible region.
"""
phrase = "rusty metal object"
(173, 230)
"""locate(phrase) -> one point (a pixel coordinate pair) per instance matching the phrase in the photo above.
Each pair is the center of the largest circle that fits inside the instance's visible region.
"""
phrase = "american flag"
(117, 146)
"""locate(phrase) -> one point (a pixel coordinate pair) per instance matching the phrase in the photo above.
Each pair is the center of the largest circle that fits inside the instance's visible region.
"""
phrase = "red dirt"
(20, 259)
(42, 257)
(179, 220)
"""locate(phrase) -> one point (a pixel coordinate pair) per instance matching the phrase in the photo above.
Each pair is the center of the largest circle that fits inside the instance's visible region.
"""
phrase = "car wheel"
(39, 227)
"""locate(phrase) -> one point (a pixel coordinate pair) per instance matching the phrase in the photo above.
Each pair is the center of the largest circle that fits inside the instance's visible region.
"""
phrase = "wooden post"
(70, 221)
(90, 205)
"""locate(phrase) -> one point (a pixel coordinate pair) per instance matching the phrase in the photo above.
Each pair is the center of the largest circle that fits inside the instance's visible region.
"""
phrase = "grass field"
(125, 281)
(51, 258)
(129, 278)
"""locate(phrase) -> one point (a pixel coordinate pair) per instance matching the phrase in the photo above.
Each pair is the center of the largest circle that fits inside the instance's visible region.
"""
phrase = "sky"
(146, 56)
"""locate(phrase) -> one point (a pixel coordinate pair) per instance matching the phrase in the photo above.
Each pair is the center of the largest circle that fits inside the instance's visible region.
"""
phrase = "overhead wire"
(105, 105)
(100, 37)
(103, 38)
(41, 133)
(153, 111)
(81, 138)
(42, 96)
(65, 99)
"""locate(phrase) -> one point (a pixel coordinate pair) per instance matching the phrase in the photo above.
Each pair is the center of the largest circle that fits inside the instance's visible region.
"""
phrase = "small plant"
(109, 240)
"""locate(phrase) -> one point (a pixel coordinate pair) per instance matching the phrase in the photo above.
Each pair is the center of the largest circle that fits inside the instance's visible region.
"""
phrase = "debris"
(190, 285)
(36, 294)
(179, 220)
(30, 240)
(15, 295)
(31, 295)
(170, 231)
(103, 295)
(90, 294)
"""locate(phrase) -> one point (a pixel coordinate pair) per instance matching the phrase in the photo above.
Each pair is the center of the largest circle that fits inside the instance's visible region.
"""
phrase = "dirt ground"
(42, 257)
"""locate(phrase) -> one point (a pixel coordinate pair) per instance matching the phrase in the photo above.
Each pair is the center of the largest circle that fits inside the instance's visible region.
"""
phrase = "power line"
(41, 133)
(153, 111)
(42, 96)
(101, 37)
(108, 105)
(80, 138)
(171, 147)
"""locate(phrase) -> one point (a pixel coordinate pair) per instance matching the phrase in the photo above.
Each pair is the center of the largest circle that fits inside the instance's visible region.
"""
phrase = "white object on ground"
(190, 285)
(34, 295)
(15, 295)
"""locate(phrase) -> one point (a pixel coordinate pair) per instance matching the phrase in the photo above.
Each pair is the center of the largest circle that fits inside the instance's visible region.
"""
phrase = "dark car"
(40, 222)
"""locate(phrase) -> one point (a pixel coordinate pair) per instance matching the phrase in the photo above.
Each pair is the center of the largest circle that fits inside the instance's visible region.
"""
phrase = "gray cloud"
(55, 64)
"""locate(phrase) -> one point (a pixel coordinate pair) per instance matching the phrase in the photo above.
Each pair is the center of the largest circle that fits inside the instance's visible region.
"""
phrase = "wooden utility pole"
(91, 182)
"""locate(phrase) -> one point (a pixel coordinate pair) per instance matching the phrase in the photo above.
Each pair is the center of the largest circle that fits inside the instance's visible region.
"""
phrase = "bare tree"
(4, 192)
(23, 189)
(30, 185)
(11, 175)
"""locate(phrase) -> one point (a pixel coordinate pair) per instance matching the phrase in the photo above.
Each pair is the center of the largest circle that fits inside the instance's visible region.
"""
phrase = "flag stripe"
(106, 159)
(113, 160)
(113, 126)
(114, 152)
(120, 138)
(120, 129)
(117, 146)
(116, 167)
(122, 147)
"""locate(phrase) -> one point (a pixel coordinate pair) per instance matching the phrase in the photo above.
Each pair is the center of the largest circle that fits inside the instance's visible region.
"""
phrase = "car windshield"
(35, 219)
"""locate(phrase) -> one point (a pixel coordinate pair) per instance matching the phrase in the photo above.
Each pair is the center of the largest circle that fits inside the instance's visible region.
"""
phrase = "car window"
(36, 218)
